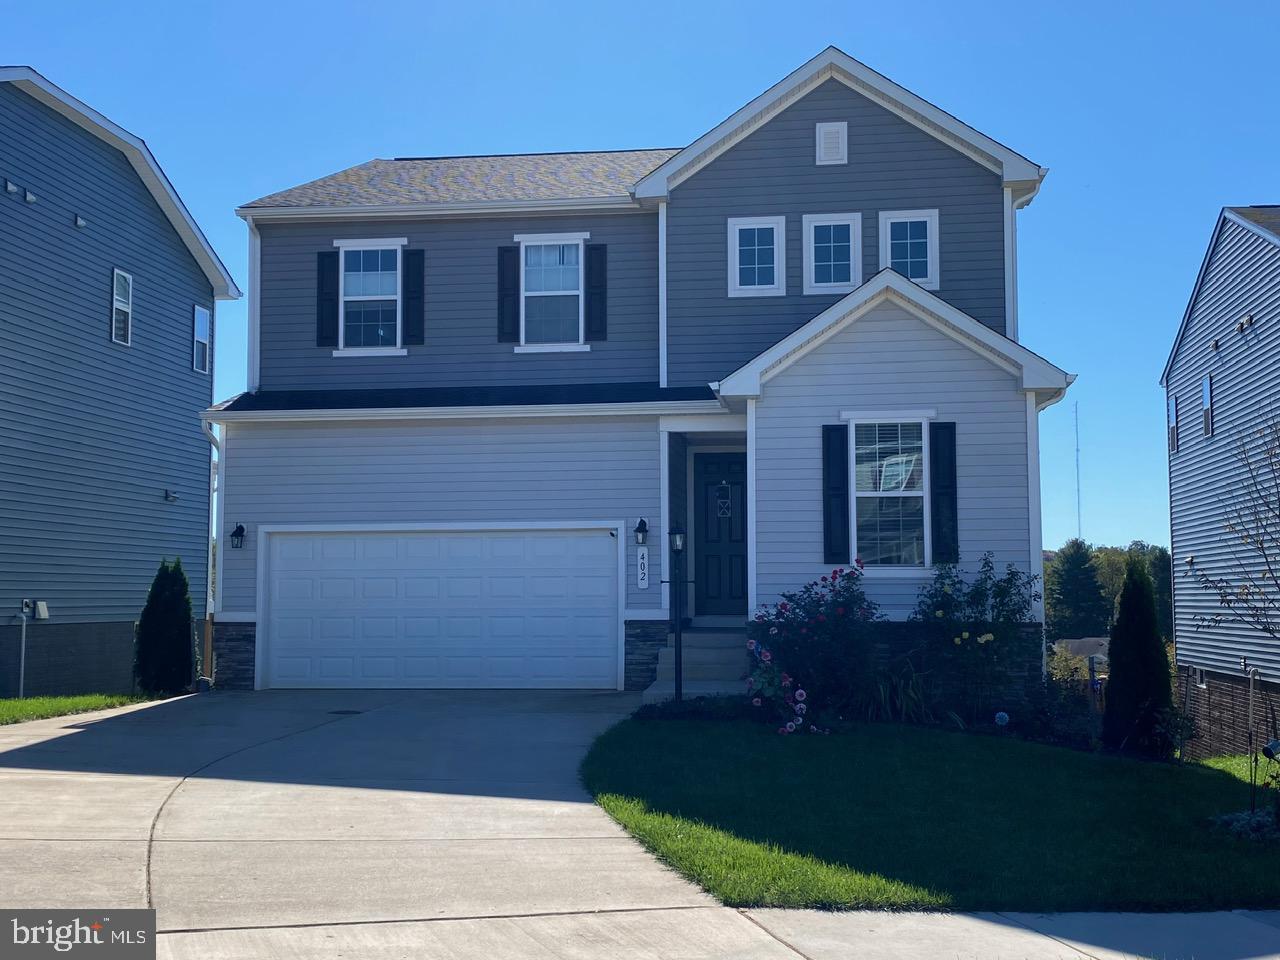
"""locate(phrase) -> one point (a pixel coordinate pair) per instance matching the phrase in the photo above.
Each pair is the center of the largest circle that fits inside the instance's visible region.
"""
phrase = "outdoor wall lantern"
(237, 537)
(642, 532)
(677, 541)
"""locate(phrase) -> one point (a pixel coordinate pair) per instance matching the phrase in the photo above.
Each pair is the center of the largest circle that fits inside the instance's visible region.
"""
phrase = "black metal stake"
(678, 590)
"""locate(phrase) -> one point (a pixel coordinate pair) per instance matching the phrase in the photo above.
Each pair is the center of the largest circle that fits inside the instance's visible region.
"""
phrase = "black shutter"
(942, 493)
(508, 294)
(597, 292)
(835, 494)
(413, 301)
(327, 298)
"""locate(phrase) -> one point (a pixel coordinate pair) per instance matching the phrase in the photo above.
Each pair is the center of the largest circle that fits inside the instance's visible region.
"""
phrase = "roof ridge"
(540, 153)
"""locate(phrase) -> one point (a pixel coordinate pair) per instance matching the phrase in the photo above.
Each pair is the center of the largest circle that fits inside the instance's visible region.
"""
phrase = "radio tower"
(1079, 535)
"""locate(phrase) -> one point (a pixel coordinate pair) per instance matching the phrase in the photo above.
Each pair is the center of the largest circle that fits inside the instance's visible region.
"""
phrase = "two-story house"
(107, 295)
(1221, 382)
(471, 378)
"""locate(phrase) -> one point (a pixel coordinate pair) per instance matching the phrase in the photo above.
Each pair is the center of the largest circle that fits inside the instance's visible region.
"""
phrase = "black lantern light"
(677, 540)
(642, 532)
(237, 537)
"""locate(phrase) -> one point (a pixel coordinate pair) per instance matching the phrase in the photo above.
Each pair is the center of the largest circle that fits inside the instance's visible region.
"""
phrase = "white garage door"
(443, 609)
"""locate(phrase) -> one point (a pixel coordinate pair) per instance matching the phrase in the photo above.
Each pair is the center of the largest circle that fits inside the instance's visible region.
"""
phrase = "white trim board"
(463, 209)
(265, 531)
(1033, 371)
(644, 409)
(835, 64)
(144, 164)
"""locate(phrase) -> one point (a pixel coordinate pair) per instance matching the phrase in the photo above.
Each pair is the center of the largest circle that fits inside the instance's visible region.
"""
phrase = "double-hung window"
(201, 335)
(891, 494)
(909, 245)
(369, 296)
(551, 292)
(757, 256)
(1173, 423)
(832, 252)
(121, 307)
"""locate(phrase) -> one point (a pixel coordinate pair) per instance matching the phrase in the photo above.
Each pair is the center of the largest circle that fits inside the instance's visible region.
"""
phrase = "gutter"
(470, 208)
(214, 577)
(657, 408)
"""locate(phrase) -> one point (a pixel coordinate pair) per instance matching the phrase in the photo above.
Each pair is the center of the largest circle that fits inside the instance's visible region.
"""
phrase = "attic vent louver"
(832, 143)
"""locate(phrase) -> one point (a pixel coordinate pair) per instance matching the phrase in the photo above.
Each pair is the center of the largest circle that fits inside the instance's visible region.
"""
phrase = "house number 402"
(642, 568)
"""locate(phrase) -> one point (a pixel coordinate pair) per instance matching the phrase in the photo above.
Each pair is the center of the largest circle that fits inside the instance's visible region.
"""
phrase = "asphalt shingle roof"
(449, 180)
(1267, 217)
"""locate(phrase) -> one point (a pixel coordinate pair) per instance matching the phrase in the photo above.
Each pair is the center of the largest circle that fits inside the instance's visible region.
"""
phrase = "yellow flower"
(937, 613)
(946, 590)
(965, 634)
(957, 641)
(986, 637)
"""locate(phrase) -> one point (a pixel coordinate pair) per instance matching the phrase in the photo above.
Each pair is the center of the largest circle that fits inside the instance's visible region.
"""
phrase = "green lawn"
(37, 708)
(899, 817)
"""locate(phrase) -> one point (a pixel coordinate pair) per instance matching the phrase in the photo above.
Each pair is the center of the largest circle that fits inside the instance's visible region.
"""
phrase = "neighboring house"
(471, 377)
(1222, 381)
(107, 292)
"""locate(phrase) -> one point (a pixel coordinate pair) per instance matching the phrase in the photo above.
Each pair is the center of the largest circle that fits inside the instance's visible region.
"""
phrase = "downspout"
(215, 500)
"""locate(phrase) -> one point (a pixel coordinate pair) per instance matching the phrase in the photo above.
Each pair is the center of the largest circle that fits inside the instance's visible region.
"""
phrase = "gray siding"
(92, 433)
(888, 360)
(479, 470)
(461, 346)
(1243, 276)
(892, 166)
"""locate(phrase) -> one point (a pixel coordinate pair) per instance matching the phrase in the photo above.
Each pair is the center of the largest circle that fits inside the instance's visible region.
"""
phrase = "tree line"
(1082, 586)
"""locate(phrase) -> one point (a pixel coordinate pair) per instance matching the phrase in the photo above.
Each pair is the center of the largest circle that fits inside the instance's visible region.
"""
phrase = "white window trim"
(887, 217)
(128, 307)
(894, 570)
(543, 239)
(366, 243)
(818, 130)
(779, 287)
(854, 221)
(196, 341)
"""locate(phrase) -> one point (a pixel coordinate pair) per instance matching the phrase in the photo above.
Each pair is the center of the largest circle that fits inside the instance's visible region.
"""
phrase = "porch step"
(704, 663)
(737, 622)
(666, 689)
(713, 639)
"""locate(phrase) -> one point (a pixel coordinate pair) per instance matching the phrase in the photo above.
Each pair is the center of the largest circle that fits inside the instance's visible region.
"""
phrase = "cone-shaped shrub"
(163, 659)
(1138, 685)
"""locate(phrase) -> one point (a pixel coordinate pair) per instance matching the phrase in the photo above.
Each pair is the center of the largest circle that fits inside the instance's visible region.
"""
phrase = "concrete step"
(712, 640)
(665, 689)
(704, 664)
(718, 622)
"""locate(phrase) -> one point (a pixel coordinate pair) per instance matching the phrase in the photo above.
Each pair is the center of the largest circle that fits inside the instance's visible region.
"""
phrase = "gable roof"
(423, 183)
(832, 63)
(1034, 373)
(144, 164)
(1263, 220)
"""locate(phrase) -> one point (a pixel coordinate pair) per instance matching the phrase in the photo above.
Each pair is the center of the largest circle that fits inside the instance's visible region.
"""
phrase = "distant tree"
(1074, 603)
(163, 657)
(1138, 692)
(1111, 562)
(1160, 565)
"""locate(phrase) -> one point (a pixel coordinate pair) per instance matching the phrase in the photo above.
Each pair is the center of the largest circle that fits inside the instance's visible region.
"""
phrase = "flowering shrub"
(972, 626)
(772, 688)
(819, 634)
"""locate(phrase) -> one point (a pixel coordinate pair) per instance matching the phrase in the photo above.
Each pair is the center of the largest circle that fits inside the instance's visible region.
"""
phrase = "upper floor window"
(1206, 404)
(909, 245)
(121, 307)
(369, 296)
(757, 256)
(890, 491)
(551, 296)
(201, 333)
(1173, 423)
(832, 252)
(832, 143)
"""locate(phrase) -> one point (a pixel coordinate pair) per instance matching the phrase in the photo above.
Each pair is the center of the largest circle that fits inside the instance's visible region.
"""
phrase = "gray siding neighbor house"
(471, 379)
(107, 293)
(1222, 381)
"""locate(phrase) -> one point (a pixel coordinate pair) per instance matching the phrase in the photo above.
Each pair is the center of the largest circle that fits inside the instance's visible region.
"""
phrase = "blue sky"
(1150, 116)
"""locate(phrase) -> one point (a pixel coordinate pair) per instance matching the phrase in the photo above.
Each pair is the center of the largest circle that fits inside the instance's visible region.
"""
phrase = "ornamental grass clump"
(813, 649)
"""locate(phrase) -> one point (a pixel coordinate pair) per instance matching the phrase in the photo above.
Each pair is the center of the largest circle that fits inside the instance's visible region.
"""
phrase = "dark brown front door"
(720, 533)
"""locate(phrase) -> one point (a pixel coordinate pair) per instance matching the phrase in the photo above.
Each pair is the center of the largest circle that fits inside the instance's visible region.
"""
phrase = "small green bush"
(164, 655)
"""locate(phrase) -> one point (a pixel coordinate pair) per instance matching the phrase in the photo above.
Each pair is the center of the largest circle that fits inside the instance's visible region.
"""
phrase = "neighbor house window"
(1173, 424)
(909, 245)
(832, 252)
(121, 307)
(369, 295)
(1206, 405)
(202, 325)
(757, 256)
(551, 281)
(890, 490)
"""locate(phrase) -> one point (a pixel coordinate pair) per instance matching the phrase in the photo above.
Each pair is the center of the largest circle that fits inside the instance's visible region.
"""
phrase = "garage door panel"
(437, 609)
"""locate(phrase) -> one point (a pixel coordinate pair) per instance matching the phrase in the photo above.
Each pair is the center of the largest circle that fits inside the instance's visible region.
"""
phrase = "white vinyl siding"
(888, 360)
(597, 468)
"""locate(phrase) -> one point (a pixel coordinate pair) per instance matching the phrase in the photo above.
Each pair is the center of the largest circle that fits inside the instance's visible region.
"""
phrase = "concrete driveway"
(426, 824)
